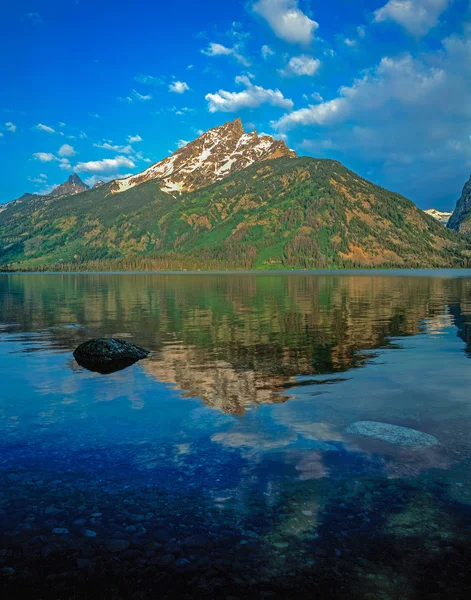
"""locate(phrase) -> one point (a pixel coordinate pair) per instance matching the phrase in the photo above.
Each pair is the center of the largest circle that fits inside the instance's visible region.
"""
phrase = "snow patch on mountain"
(211, 157)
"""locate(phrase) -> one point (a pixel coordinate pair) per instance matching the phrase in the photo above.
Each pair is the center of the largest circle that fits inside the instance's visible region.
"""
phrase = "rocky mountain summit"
(73, 185)
(213, 156)
(460, 220)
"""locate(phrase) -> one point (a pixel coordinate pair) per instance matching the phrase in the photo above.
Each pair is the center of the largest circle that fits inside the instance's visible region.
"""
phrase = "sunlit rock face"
(460, 220)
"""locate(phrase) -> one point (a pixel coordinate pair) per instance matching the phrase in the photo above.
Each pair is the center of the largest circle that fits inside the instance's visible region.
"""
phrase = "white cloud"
(127, 99)
(266, 51)
(61, 124)
(65, 164)
(215, 49)
(44, 156)
(90, 181)
(94, 115)
(105, 165)
(402, 81)
(40, 179)
(350, 43)
(178, 87)
(301, 65)
(66, 150)
(133, 139)
(42, 127)
(141, 97)
(10, 126)
(405, 111)
(287, 20)
(148, 80)
(252, 97)
(114, 147)
(416, 16)
(182, 143)
(276, 136)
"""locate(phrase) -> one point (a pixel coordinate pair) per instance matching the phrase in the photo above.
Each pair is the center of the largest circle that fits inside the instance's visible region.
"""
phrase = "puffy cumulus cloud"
(286, 20)
(44, 156)
(323, 113)
(133, 139)
(266, 51)
(42, 127)
(252, 97)
(9, 126)
(215, 49)
(114, 147)
(405, 116)
(105, 165)
(64, 164)
(416, 16)
(179, 87)
(66, 150)
(47, 157)
(301, 65)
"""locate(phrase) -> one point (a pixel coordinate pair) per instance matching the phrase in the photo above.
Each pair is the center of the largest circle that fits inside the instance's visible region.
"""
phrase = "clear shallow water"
(221, 467)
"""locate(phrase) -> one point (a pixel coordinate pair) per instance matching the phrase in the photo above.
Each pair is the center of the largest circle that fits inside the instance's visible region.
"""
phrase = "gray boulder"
(107, 355)
(394, 434)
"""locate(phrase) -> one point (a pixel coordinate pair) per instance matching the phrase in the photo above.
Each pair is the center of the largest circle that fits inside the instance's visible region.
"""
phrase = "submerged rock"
(106, 355)
(395, 434)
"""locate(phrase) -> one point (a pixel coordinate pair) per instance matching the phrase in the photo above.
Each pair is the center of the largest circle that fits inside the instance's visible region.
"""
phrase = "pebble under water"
(290, 435)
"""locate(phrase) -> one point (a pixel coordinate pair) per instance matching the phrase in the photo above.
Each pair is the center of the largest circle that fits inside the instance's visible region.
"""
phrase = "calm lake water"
(224, 466)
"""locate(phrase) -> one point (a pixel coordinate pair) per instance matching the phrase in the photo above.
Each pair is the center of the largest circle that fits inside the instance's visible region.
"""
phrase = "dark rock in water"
(394, 434)
(107, 355)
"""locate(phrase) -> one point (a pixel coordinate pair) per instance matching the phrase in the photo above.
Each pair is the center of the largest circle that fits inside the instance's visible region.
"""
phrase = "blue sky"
(104, 88)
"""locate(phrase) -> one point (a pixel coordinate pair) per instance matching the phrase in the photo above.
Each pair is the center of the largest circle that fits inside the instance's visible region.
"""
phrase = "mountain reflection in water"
(237, 340)
(224, 457)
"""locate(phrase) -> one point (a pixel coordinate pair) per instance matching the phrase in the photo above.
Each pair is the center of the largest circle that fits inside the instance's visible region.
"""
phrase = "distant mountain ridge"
(73, 185)
(228, 200)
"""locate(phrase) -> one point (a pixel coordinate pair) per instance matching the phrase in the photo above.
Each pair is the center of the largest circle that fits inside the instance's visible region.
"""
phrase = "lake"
(230, 463)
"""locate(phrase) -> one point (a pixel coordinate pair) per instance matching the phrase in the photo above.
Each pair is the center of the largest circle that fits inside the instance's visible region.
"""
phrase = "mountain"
(460, 220)
(441, 216)
(267, 209)
(216, 154)
(73, 185)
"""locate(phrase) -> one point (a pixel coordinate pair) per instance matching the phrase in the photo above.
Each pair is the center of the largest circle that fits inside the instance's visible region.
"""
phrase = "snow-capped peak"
(211, 157)
(441, 216)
